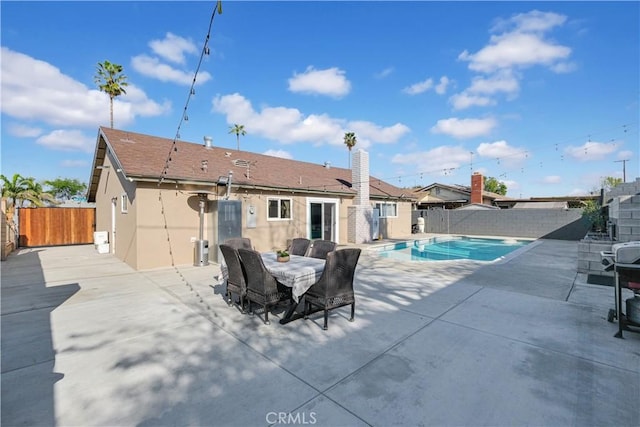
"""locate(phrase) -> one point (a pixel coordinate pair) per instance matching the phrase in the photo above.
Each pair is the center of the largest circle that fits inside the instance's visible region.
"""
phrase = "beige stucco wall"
(168, 220)
(276, 234)
(111, 186)
(162, 221)
(397, 227)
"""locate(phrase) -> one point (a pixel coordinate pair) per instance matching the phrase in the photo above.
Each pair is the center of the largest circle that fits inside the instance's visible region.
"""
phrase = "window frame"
(124, 203)
(279, 200)
(383, 211)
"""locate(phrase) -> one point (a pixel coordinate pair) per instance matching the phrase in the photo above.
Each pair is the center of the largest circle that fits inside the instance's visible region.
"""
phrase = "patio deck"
(86, 340)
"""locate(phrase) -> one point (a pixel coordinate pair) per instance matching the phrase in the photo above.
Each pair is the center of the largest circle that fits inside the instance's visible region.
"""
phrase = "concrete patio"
(88, 341)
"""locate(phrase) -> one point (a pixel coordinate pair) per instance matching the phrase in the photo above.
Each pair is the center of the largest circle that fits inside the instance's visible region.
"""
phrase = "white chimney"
(208, 141)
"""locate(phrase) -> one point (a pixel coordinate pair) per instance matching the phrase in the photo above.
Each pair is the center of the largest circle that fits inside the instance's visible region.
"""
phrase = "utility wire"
(184, 117)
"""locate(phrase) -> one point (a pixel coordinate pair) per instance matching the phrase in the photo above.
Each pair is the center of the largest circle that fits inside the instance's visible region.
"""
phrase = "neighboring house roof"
(477, 206)
(144, 157)
(460, 189)
(541, 205)
(571, 201)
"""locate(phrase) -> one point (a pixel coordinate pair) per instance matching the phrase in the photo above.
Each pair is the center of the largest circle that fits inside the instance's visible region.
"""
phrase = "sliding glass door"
(322, 219)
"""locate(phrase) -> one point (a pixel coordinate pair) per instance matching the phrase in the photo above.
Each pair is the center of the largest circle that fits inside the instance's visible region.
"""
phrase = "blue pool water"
(451, 248)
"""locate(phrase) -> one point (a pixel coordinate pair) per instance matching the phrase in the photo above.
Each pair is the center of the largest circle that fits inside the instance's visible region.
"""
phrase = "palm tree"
(35, 194)
(238, 130)
(350, 141)
(111, 81)
(13, 189)
(20, 189)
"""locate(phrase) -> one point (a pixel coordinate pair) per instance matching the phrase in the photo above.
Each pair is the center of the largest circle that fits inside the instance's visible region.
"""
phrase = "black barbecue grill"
(624, 261)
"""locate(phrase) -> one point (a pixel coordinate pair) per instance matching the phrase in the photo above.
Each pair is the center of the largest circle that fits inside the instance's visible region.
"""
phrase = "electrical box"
(252, 216)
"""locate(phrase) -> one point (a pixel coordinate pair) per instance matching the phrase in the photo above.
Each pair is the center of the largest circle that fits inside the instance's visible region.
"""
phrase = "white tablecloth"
(299, 273)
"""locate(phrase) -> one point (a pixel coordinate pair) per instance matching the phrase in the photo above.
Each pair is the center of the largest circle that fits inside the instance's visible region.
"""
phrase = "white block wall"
(360, 177)
(359, 224)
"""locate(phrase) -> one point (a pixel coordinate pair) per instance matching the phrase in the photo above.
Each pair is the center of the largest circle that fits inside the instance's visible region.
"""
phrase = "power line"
(184, 117)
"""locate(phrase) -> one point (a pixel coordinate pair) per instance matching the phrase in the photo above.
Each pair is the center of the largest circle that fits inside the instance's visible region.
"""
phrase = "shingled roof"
(143, 157)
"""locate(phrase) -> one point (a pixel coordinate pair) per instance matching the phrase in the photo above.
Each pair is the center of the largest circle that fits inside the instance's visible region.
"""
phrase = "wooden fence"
(56, 226)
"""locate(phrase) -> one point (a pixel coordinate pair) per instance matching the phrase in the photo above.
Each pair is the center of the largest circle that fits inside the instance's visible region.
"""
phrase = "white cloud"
(464, 100)
(511, 184)
(499, 82)
(35, 90)
(419, 87)
(279, 153)
(331, 82)
(564, 67)
(552, 179)
(521, 45)
(289, 125)
(502, 151)
(384, 73)
(67, 140)
(173, 48)
(152, 67)
(624, 155)
(515, 50)
(464, 128)
(23, 131)
(441, 160)
(441, 87)
(534, 21)
(590, 151)
(379, 134)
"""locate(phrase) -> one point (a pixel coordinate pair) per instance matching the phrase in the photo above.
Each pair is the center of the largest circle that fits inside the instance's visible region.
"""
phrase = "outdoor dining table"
(299, 273)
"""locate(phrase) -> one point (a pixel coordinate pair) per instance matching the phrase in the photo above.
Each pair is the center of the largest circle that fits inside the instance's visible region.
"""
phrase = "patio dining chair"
(299, 246)
(321, 248)
(262, 287)
(239, 242)
(335, 287)
(236, 279)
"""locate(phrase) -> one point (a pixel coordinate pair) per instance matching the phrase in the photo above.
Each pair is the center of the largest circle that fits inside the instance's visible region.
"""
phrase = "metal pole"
(624, 169)
(200, 236)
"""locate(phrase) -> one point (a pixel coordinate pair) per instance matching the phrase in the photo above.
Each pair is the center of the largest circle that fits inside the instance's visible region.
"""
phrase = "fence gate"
(56, 226)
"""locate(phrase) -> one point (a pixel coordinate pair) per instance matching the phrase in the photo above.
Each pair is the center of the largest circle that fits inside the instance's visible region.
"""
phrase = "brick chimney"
(477, 187)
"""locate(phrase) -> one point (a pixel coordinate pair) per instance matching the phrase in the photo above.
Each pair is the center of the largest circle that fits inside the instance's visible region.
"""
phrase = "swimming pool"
(452, 248)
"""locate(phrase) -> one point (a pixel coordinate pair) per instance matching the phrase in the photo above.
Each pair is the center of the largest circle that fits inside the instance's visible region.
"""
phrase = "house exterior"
(455, 196)
(158, 197)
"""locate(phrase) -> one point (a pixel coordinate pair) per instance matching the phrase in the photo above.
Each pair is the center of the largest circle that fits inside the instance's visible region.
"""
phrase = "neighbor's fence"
(56, 226)
(9, 235)
(534, 223)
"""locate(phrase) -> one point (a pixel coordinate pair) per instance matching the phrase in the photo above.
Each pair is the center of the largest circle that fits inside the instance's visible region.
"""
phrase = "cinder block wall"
(628, 221)
(534, 223)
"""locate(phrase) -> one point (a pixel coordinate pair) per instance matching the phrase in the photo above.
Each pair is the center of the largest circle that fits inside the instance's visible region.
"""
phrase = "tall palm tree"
(111, 81)
(238, 130)
(350, 141)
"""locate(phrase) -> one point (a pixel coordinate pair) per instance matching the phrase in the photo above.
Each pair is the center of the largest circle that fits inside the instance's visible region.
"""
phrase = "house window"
(387, 210)
(437, 190)
(124, 203)
(279, 208)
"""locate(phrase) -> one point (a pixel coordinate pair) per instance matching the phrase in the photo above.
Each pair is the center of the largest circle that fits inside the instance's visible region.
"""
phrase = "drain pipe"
(226, 197)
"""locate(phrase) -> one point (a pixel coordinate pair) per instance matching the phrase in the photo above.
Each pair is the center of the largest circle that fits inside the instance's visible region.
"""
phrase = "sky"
(542, 96)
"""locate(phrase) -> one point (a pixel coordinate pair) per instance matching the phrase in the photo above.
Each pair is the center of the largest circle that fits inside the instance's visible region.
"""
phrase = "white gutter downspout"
(114, 201)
